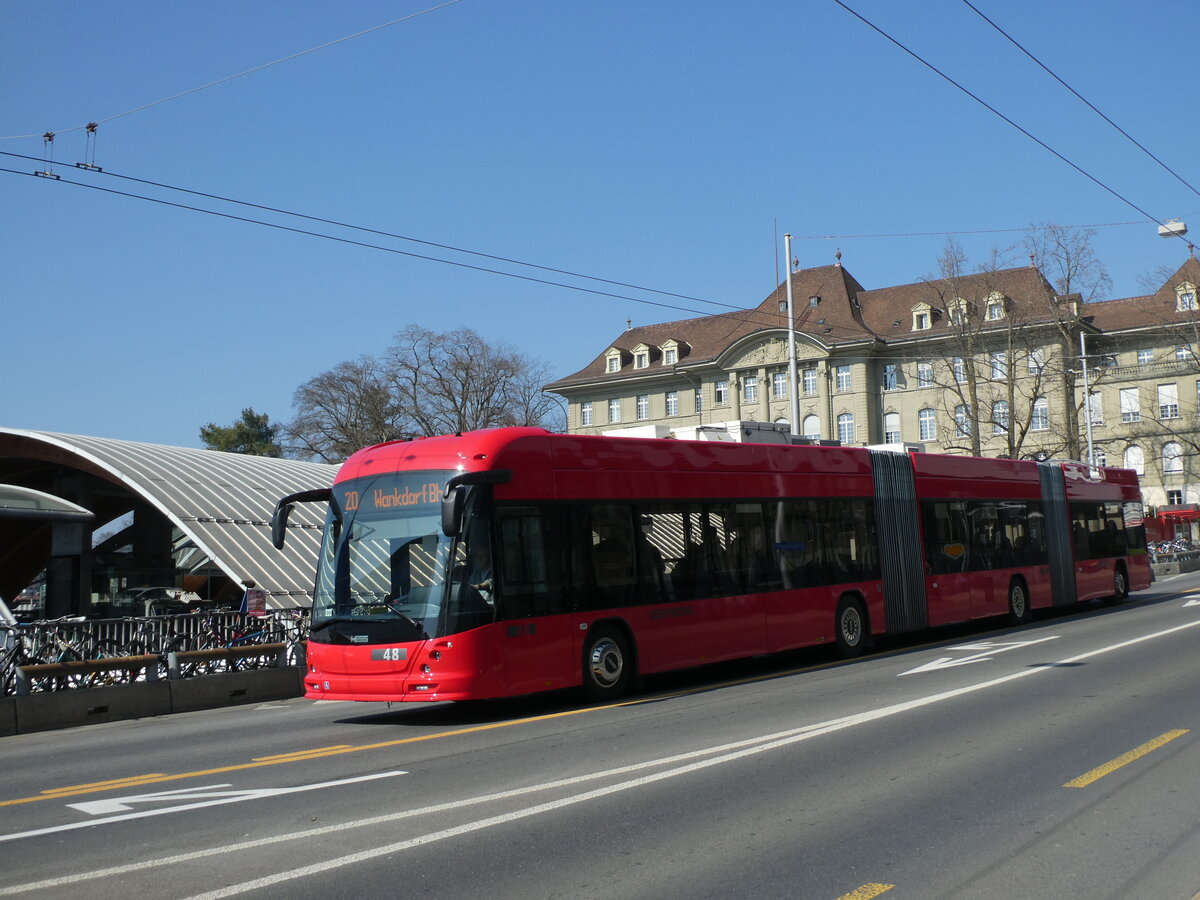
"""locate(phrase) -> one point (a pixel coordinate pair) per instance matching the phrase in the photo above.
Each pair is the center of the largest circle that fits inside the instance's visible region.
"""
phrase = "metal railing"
(71, 653)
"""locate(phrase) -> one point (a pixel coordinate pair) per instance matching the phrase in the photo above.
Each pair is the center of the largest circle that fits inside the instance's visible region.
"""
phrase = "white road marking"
(989, 648)
(726, 753)
(1195, 602)
(202, 796)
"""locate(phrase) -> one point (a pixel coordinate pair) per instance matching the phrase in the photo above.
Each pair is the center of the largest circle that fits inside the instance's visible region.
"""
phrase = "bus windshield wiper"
(406, 617)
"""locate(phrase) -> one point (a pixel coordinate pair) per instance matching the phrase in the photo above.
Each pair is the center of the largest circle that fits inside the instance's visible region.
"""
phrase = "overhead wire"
(1090, 105)
(1000, 115)
(229, 78)
(342, 240)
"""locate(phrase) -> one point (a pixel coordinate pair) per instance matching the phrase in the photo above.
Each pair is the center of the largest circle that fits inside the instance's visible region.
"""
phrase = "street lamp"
(1087, 397)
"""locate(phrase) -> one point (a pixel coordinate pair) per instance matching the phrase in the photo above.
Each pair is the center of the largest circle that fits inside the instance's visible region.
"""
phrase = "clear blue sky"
(647, 142)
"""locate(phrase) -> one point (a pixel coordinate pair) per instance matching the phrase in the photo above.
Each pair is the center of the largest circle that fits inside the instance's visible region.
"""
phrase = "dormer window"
(995, 309)
(957, 310)
(641, 360)
(1185, 298)
(670, 356)
(612, 361)
(922, 317)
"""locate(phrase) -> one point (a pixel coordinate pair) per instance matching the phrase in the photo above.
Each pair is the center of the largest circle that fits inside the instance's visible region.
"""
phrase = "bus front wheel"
(607, 664)
(850, 627)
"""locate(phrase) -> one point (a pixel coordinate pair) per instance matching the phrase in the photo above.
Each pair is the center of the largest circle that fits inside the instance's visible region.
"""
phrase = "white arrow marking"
(989, 648)
(1195, 602)
(210, 799)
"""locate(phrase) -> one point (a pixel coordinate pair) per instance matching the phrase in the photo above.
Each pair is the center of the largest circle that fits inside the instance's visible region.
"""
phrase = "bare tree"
(426, 383)
(340, 411)
(991, 369)
(1067, 257)
(457, 381)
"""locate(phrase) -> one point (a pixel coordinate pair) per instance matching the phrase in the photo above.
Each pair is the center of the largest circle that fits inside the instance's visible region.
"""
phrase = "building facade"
(988, 364)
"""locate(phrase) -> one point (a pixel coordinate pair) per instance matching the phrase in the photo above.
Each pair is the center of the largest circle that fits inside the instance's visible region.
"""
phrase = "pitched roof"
(888, 311)
(1157, 309)
(834, 320)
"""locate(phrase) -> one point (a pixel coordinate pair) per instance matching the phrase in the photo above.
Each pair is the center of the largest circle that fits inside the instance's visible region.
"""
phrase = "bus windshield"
(383, 554)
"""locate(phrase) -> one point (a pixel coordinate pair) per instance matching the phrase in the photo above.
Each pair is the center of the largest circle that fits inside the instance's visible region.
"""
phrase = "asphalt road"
(1055, 760)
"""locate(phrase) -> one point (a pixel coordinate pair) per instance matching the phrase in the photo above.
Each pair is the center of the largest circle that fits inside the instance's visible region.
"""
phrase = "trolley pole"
(793, 379)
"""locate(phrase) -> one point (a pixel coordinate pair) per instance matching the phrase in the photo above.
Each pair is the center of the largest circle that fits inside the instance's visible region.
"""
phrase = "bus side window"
(528, 586)
(612, 554)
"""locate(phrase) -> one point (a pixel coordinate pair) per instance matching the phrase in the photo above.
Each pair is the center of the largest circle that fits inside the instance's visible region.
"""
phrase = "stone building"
(986, 364)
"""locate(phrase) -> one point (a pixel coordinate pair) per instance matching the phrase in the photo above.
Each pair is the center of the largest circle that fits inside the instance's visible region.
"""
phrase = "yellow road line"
(1124, 759)
(867, 891)
(302, 753)
(115, 782)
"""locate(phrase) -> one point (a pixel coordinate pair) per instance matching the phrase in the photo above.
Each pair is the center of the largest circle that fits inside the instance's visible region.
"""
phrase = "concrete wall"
(66, 709)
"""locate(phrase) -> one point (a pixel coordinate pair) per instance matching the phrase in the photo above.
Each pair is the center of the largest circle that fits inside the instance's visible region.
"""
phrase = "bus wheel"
(607, 664)
(850, 627)
(1019, 610)
(1120, 586)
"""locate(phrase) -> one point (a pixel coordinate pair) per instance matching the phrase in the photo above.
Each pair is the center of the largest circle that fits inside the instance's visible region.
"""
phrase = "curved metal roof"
(221, 501)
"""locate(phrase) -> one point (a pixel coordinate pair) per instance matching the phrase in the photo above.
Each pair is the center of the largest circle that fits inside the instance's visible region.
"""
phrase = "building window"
(779, 389)
(889, 377)
(810, 381)
(1040, 419)
(614, 411)
(927, 424)
(1168, 402)
(1131, 407)
(1037, 361)
(995, 310)
(812, 427)
(1187, 300)
(1135, 459)
(845, 428)
(1174, 498)
(699, 400)
(960, 369)
(1000, 417)
(1183, 353)
(1172, 459)
(670, 356)
(672, 403)
(1095, 408)
(614, 364)
(962, 421)
(750, 388)
(721, 392)
(641, 360)
(585, 413)
(844, 382)
(999, 363)
(1145, 357)
(921, 321)
(891, 428)
(643, 406)
(1099, 457)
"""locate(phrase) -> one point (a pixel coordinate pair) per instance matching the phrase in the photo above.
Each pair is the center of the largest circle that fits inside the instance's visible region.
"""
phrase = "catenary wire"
(251, 71)
(1001, 115)
(750, 314)
(1090, 105)
(375, 231)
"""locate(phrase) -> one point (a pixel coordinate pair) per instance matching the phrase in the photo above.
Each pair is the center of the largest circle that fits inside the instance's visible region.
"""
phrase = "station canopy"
(220, 502)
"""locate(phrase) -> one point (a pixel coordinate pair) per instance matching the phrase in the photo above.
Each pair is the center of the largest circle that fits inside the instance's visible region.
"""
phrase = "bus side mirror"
(453, 499)
(452, 509)
(283, 509)
(279, 524)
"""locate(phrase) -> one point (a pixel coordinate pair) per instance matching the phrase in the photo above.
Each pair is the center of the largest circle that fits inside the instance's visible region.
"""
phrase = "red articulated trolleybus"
(503, 562)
